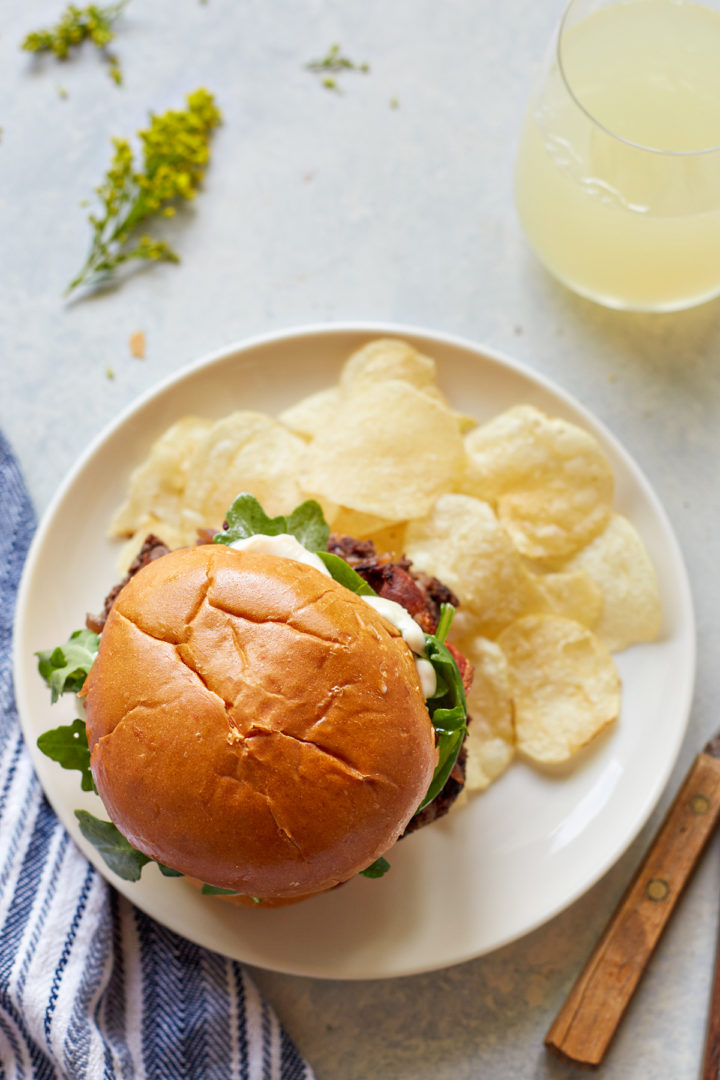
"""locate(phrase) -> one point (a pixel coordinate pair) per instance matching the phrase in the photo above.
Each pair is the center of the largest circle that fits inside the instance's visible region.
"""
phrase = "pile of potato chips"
(514, 515)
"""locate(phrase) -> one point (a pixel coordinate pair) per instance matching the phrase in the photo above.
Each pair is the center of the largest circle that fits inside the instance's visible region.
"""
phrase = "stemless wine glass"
(618, 170)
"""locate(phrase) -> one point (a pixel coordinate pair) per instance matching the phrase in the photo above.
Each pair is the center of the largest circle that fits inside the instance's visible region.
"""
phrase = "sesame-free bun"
(254, 724)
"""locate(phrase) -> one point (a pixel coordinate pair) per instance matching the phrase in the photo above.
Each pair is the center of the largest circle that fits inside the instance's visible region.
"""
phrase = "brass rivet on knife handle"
(587, 1021)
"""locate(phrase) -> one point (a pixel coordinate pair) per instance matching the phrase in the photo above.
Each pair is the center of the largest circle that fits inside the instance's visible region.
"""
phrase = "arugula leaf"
(119, 854)
(66, 667)
(215, 890)
(246, 517)
(447, 614)
(345, 575)
(167, 871)
(308, 525)
(68, 746)
(447, 707)
(376, 869)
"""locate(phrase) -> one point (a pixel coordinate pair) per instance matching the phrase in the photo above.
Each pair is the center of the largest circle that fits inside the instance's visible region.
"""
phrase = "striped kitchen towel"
(90, 987)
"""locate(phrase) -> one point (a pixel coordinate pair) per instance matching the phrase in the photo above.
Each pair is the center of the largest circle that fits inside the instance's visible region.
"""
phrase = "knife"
(585, 1025)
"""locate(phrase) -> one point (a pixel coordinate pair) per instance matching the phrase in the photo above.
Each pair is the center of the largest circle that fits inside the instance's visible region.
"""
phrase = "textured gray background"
(326, 207)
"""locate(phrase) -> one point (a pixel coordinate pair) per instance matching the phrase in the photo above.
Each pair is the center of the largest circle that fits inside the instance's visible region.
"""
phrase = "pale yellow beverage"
(618, 172)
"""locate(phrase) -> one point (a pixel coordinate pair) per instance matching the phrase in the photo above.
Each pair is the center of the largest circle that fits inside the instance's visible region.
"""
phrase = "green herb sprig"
(175, 152)
(331, 64)
(75, 26)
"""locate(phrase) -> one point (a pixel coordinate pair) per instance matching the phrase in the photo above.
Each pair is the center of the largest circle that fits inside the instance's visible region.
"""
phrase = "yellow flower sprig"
(76, 25)
(175, 150)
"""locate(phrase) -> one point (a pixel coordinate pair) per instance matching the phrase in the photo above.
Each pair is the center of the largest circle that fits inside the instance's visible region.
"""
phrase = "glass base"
(619, 304)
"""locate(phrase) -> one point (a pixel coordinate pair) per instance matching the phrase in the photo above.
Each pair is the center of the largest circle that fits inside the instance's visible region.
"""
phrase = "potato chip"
(157, 486)
(310, 415)
(246, 451)
(389, 450)
(564, 685)
(390, 540)
(171, 535)
(620, 567)
(355, 523)
(391, 358)
(462, 543)
(388, 358)
(571, 593)
(550, 480)
(491, 738)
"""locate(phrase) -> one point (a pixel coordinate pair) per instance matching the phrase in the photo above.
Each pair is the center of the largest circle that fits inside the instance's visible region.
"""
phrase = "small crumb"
(109, 373)
(308, 177)
(330, 84)
(137, 345)
(394, 103)
(518, 329)
(62, 93)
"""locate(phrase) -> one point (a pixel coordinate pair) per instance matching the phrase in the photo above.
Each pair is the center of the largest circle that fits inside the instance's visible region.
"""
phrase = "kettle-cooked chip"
(564, 684)
(572, 593)
(388, 450)
(392, 358)
(388, 358)
(310, 415)
(462, 543)
(246, 451)
(491, 738)
(619, 565)
(157, 485)
(355, 523)
(550, 480)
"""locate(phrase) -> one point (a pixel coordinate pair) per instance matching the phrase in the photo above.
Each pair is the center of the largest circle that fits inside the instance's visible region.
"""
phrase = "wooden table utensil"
(711, 1062)
(587, 1021)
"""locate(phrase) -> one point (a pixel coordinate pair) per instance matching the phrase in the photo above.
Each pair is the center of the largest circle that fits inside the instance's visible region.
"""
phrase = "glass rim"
(593, 119)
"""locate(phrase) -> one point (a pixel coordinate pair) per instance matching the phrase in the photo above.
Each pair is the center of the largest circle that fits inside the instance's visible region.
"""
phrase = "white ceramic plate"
(493, 870)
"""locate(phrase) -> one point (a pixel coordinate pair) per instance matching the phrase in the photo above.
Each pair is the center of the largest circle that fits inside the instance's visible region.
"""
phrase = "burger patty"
(394, 579)
(153, 548)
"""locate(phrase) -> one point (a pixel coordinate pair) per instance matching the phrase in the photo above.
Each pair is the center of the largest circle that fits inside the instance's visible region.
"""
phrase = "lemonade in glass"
(618, 170)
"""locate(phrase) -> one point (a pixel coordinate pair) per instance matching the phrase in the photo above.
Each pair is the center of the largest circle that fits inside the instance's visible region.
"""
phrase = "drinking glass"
(618, 168)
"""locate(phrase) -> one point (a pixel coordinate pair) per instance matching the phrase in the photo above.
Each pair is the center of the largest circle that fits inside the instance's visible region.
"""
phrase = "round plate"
(497, 867)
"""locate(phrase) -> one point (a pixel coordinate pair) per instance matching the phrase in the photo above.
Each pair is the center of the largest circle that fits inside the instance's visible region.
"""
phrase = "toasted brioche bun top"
(254, 724)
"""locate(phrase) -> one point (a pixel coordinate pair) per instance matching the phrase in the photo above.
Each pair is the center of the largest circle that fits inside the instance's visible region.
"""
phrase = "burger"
(259, 716)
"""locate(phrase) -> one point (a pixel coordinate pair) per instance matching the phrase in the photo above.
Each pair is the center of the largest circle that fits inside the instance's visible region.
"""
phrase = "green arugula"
(246, 518)
(215, 890)
(376, 869)
(66, 667)
(119, 854)
(447, 706)
(307, 524)
(68, 746)
(344, 574)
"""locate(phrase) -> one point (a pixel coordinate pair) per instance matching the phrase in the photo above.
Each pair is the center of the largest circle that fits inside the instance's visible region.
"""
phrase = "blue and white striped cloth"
(90, 987)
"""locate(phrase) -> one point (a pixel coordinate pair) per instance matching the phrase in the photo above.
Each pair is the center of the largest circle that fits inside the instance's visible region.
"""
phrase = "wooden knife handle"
(711, 1062)
(586, 1023)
